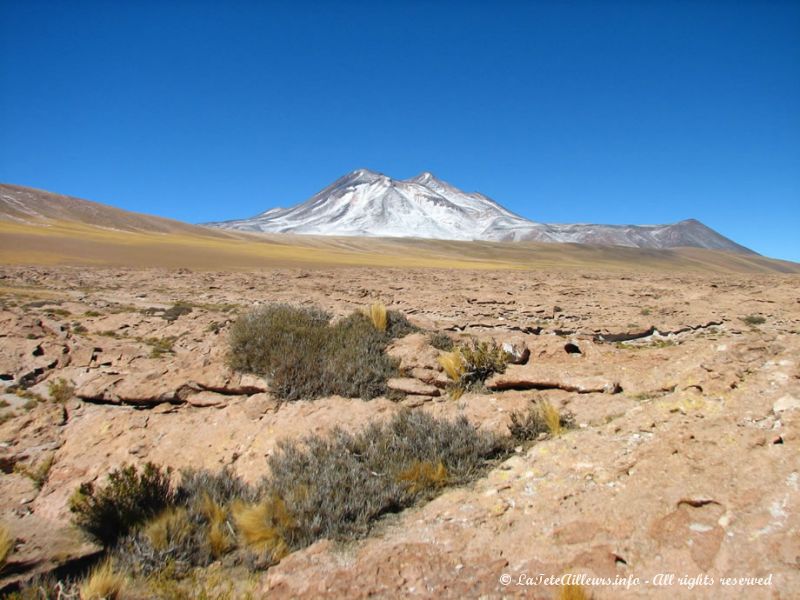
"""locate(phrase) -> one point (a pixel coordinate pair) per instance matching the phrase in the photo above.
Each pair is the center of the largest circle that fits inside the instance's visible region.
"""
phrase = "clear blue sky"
(611, 112)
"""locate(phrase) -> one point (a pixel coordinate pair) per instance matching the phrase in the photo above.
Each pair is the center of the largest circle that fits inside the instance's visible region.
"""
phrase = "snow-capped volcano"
(366, 203)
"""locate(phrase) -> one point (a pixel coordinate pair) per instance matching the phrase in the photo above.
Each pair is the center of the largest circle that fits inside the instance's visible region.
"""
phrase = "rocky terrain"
(685, 391)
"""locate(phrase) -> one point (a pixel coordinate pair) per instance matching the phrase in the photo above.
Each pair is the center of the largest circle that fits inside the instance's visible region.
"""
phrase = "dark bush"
(128, 499)
(305, 357)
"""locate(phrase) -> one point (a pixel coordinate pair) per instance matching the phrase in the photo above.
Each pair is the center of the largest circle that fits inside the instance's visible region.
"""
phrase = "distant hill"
(27, 205)
(365, 203)
(42, 228)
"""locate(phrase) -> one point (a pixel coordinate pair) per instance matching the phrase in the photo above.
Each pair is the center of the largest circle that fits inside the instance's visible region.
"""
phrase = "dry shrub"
(337, 486)
(305, 357)
(103, 583)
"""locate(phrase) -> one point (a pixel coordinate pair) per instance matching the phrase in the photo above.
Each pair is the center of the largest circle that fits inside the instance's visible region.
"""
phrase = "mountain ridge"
(371, 204)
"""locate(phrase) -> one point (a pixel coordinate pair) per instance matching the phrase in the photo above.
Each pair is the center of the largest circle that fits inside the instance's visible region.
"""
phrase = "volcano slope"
(684, 390)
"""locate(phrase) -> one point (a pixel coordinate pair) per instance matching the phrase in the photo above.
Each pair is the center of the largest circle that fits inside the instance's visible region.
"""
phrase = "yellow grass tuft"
(264, 525)
(103, 584)
(453, 364)
(552, 417)
(6, 544)
(171, 526)
(573, 591)
(377, 314)
(218, 536)
(423, 475)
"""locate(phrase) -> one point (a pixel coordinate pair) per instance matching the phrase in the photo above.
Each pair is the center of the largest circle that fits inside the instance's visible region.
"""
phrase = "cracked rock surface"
(684, 461)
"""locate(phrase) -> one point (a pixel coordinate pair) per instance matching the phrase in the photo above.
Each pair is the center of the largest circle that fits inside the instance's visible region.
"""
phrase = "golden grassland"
(54, 242)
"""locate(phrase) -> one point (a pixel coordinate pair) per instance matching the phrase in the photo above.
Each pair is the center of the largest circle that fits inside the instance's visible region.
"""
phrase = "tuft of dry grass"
(265, 525)
(423, 475)
(218, 536)
(552, 417)
(103, 583)
(377, 314)
(6, 544)
(170, 527)
(453, 364)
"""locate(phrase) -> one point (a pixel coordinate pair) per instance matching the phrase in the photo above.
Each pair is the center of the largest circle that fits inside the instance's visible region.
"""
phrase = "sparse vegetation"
(541, 417)
(645, 312)
(78, 328)
(39, 473)
(92, 313)
(306, 357)
(160, 346)
(754, 320)
(469, 365)
(60, 390)
(127, 500)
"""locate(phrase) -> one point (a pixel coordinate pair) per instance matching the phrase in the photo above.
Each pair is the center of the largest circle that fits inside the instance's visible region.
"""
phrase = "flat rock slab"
(414, 387)
(533, 377)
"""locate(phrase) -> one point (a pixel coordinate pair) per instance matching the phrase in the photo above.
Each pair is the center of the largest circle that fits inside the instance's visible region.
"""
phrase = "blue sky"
(612, 112)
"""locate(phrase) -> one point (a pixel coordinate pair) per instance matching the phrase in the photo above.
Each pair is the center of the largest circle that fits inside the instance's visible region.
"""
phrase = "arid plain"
(679, 370)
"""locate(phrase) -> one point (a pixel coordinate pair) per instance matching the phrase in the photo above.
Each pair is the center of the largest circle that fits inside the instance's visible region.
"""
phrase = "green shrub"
(306, 357)
(128, 499)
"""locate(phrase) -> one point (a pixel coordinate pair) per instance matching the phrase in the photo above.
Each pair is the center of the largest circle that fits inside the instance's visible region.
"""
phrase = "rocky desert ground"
(681, 477)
